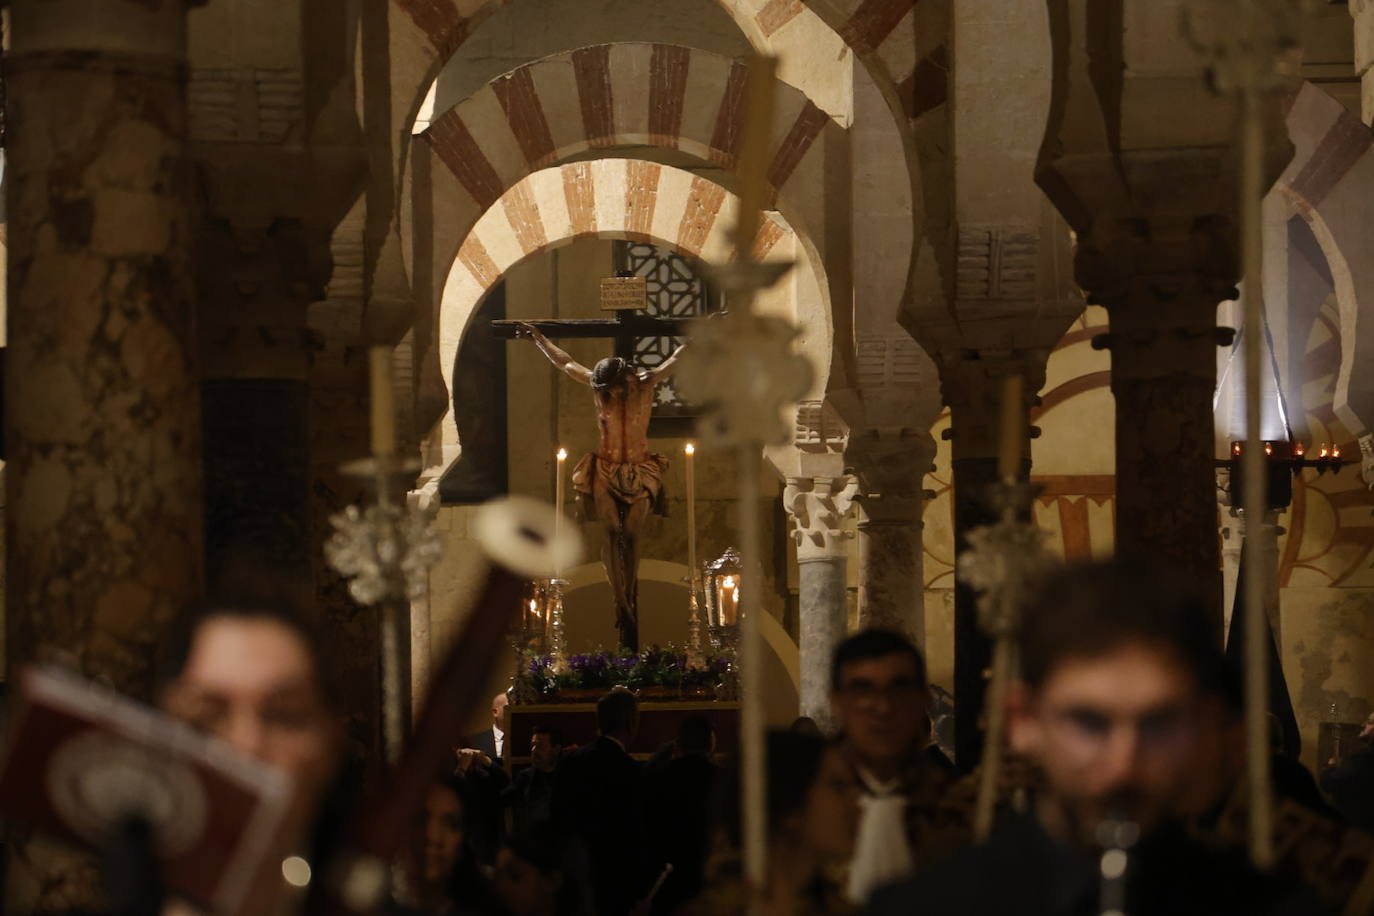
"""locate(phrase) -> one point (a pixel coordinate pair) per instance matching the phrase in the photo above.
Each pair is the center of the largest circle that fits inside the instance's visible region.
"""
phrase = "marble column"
(1155, 222)
(891, 465)
(973, 384)
(890, 588)
(1163, 339)
(102, 419)
(817, 508)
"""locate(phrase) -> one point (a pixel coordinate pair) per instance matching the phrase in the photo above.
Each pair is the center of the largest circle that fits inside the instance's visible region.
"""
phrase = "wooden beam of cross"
(629, 325)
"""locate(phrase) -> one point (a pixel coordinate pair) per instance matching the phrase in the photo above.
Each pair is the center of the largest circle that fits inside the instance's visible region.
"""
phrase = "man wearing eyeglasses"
(1121, 683)
(880, 700)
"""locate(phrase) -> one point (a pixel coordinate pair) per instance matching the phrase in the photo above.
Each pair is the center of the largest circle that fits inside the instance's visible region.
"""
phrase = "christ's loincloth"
(626, 481)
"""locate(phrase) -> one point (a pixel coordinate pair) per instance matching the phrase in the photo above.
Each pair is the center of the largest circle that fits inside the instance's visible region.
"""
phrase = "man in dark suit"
(598, 799)
(491, 741)
(530, 794)
(481, 767)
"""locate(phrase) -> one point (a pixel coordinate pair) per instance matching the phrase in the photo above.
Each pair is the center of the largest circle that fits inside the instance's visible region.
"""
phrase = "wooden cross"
(625, 296)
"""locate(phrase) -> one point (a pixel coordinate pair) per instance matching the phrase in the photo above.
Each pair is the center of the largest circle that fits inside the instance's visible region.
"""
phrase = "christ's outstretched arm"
(560, 359)
(666, 368)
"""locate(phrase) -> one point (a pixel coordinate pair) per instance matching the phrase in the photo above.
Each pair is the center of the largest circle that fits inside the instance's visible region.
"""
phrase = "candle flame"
(1268, 448)
(1323, 451)
(689, 448)
(1299, 450)
(1335, 451)
(1235, 448)
(729, 582)
(562, 454)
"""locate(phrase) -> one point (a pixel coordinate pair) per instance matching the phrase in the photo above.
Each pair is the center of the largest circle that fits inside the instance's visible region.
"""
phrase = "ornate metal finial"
(1250, 44)
(744, 372)
(385, 551)
(1002, 562)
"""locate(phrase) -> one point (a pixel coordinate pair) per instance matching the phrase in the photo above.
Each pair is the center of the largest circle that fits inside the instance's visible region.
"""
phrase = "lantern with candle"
(722, 578)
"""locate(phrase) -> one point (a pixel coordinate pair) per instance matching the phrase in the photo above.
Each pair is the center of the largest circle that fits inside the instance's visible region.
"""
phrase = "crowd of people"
(1124, 768)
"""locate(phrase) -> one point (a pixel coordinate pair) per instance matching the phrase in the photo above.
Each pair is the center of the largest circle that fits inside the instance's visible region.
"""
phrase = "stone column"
(816, 510)
(891, 465)
(973, 383)
(1156, 233)
(255, 285)
(102, 419)
(1363, 11)
(1162, 301)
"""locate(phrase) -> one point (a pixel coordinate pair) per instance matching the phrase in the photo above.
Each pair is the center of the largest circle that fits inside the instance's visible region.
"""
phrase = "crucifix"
(620, 483)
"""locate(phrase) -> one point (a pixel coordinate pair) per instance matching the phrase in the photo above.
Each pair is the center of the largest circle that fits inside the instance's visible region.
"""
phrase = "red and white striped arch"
(903, 42)
(616, 96)
(606, 198)
(1330, 182)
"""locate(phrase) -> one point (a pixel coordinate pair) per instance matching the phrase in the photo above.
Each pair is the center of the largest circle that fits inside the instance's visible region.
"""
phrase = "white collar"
(496, 730)
(876, 786)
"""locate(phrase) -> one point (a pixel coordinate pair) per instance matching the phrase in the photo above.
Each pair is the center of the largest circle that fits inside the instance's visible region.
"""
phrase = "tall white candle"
(690, 450)
(558, 501)
(383, 403)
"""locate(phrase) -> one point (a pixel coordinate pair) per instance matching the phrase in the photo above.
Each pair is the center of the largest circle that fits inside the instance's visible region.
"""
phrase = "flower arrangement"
(655, 670)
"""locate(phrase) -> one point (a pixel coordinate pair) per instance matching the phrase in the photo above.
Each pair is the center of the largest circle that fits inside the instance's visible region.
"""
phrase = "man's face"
(880, 705)
(498, 711)
(1117, 733)
(543, 752)
(251, 682)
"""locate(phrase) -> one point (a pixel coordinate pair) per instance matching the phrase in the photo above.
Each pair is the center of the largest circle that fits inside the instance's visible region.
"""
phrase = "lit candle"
(690, 450)
(383, 403)
(558, 501)
(727, 598)
(1013, 428)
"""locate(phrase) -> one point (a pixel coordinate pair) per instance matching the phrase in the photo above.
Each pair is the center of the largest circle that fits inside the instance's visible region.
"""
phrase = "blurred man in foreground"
(1121, 679)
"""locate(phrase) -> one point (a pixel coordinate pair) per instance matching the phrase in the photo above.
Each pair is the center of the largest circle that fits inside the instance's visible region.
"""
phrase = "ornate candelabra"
(696, 646)
(723, 582)
(556, 644)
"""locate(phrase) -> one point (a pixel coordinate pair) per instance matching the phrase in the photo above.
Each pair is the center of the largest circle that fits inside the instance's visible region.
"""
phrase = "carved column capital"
(972, 384)
(816, 511)
(891, 464)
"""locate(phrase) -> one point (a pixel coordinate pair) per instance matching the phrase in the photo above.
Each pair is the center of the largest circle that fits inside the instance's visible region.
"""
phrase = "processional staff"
(1001, 563)
(385, 550)
(742, 370)
(519, 540)
(1250, 45)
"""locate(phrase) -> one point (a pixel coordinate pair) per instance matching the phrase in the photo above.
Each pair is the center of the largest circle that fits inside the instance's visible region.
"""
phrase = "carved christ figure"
(622, 481)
